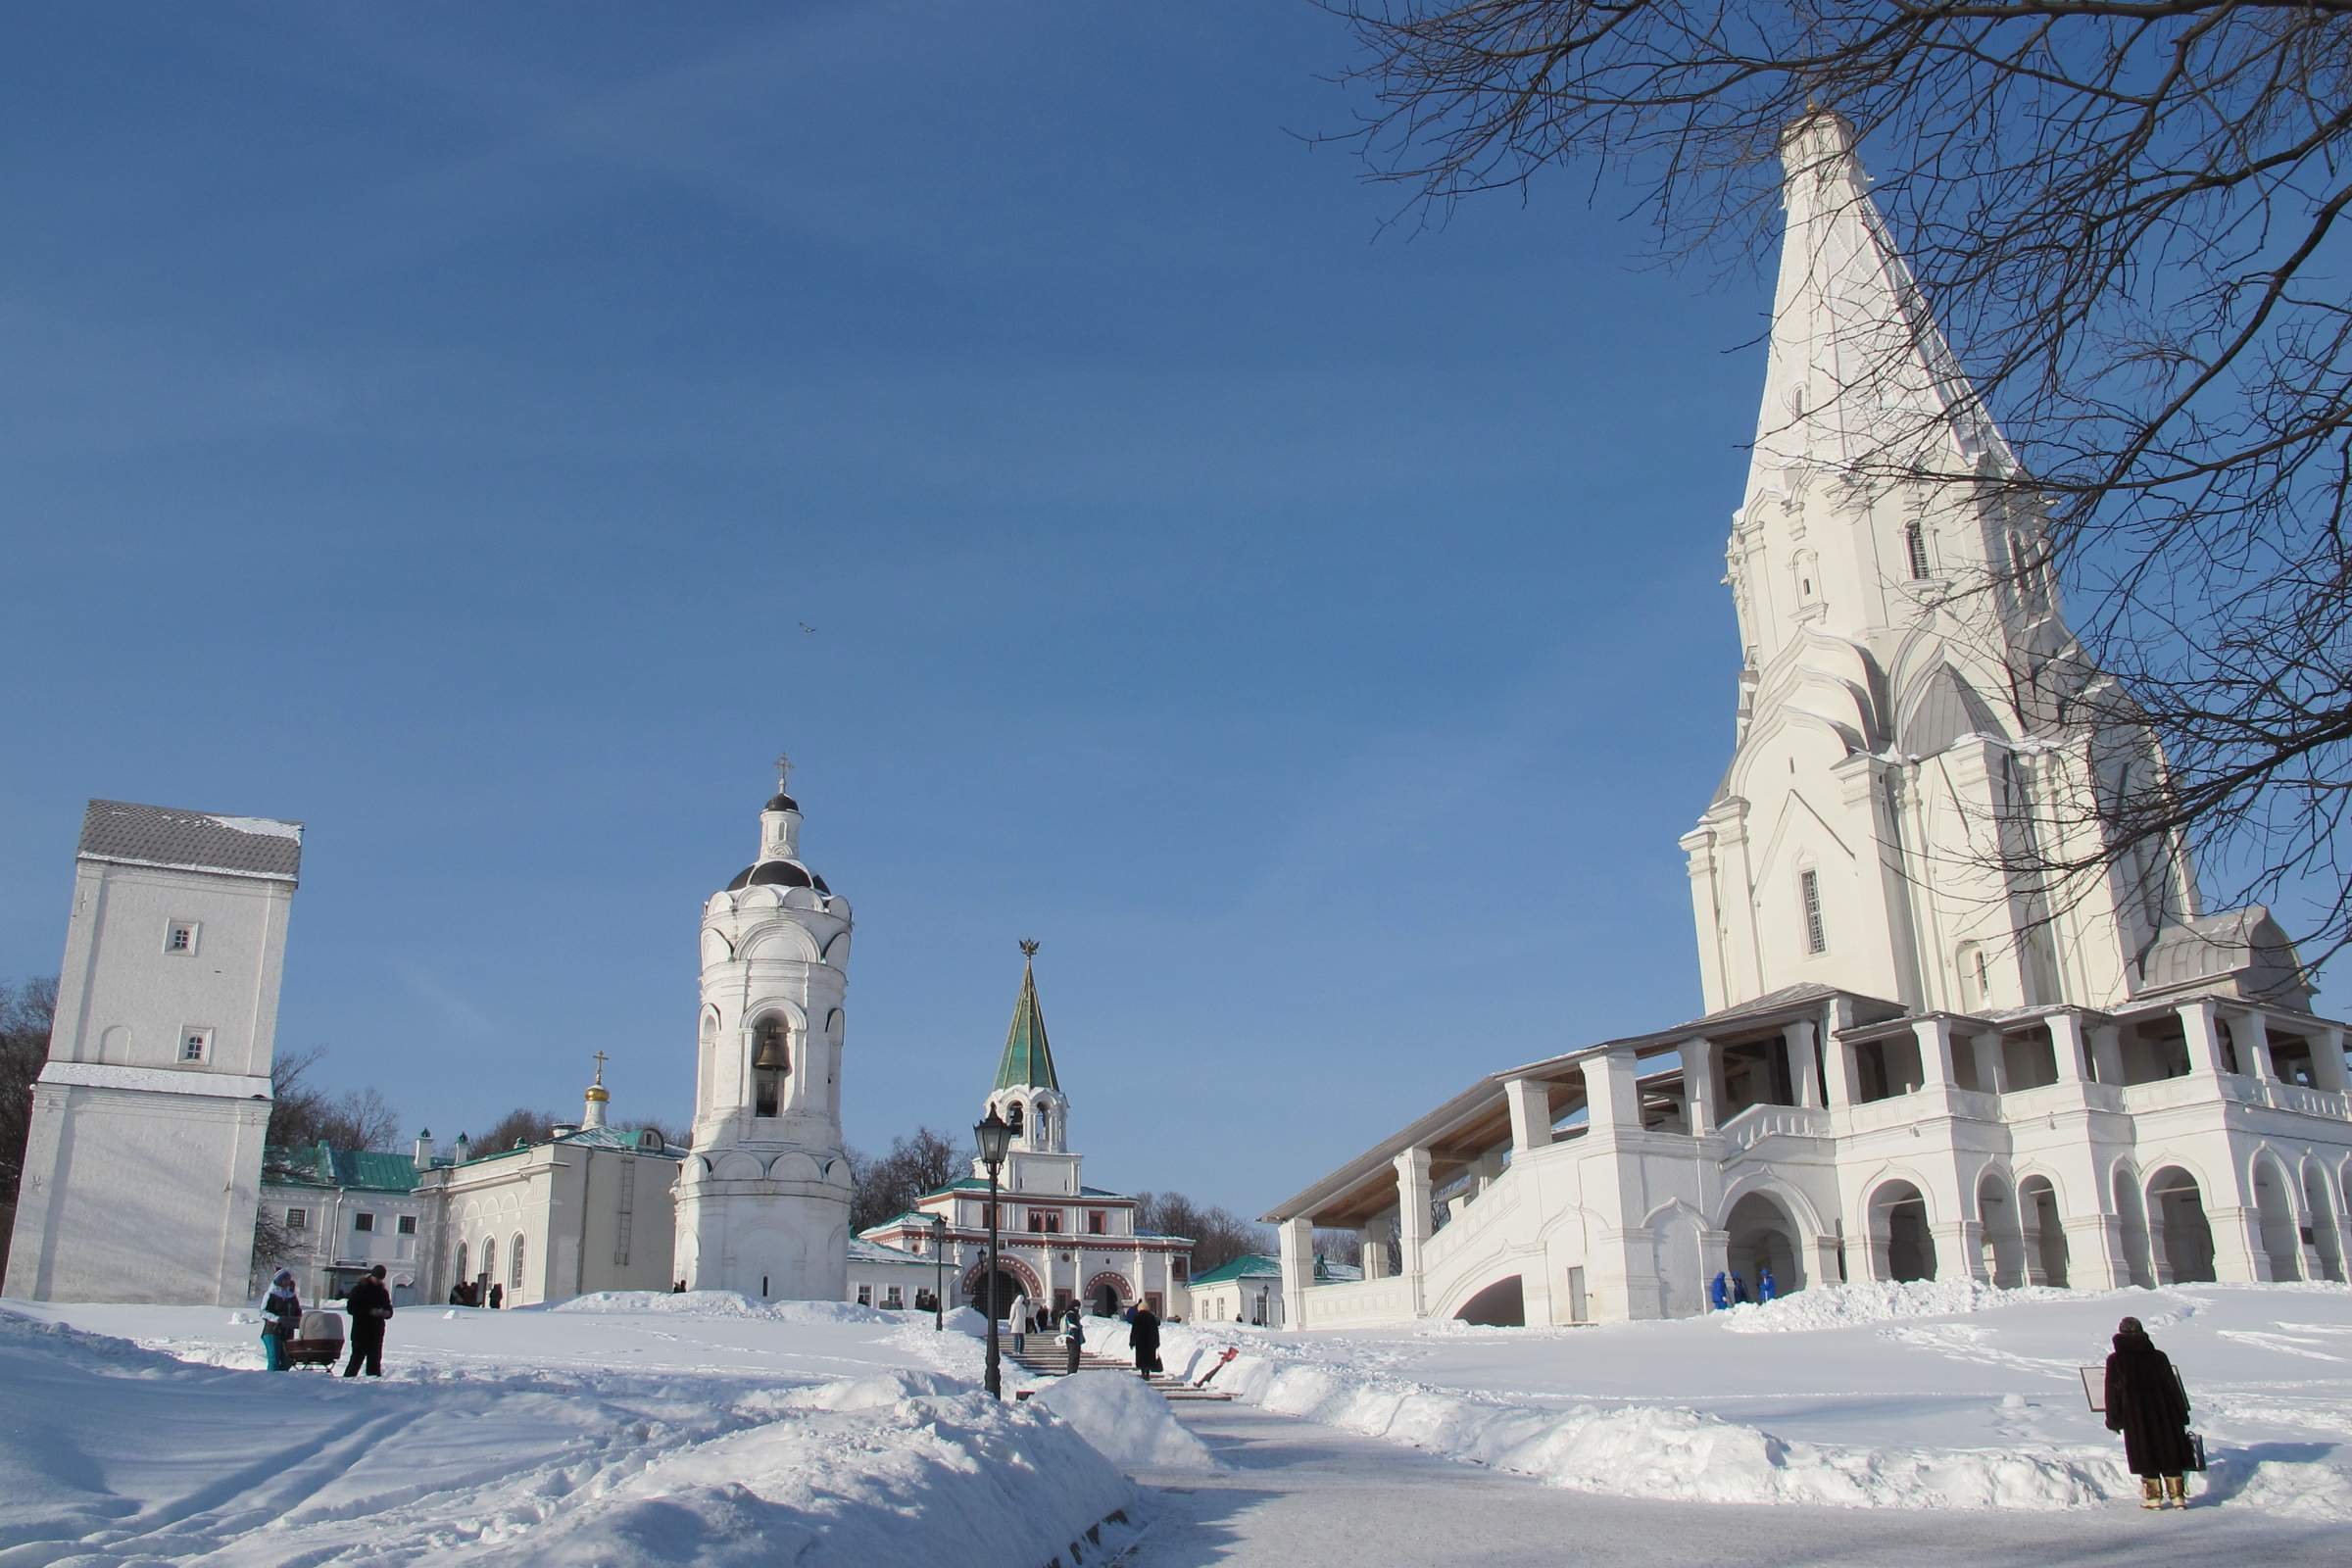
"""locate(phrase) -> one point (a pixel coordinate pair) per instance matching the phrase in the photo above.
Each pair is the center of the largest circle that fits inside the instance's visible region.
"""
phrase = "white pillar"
(1413, 1214)
(2328, 1060)
(1804, 1071)
(1297, 1267)
(2107, 1053)
(2066, 1045)
(1701, 1091)
(1838, 1058)
(1529, 1101)
(1612, 1094)
(1993, 1066)
(1377, 1232)
(1935, 1036)
(2200, 1022)
(2252, 1035)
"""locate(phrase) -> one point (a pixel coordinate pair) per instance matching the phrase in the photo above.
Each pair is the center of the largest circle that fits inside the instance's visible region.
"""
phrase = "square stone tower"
(144, 1160)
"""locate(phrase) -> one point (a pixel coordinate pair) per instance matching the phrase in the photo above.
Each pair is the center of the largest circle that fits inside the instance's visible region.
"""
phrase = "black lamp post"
(993, 1135)
(938, 1272)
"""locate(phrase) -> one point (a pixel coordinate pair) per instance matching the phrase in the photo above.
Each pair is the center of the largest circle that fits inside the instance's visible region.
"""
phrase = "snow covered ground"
(1904, 1396)
(656, 1430)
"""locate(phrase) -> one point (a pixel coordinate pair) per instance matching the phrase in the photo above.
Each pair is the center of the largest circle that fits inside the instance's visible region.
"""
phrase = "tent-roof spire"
(1028, 1060)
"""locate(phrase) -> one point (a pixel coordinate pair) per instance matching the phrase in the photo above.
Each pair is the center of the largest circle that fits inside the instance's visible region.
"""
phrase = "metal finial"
(1028, 947)
(601, 1060)
(783, 773)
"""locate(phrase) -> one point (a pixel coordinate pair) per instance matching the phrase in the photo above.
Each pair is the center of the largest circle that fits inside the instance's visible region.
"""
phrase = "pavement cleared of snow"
(1871, 1396)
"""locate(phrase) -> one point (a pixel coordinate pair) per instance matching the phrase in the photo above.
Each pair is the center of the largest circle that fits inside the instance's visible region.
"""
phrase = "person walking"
(282, 1319)
(2148, 1404)
(1739, 1296)
(1766, 1287)
(370, 1307)
(1073, 1338)
(498, 1298)
(1719, 1293)
(1017, 1320)
(1143, 1335)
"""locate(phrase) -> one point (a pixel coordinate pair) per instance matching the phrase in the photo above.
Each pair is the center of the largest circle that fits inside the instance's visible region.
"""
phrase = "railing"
(1484, 1208)
(1356, 1304)
(1756, 1123)
(2165, 1094)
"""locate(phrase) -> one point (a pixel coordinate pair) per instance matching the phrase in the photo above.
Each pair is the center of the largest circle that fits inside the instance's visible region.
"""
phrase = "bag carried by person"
(2196, 1451)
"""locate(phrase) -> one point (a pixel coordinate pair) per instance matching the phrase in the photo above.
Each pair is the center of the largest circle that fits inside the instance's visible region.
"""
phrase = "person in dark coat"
(282, 1319)
(1072, 1336)
(370, 1307)
(498, 1298)
(1143, 1335)
(2148, 1404)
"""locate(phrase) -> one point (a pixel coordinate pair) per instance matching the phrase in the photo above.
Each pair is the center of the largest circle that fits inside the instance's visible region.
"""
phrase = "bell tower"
(763, 1201)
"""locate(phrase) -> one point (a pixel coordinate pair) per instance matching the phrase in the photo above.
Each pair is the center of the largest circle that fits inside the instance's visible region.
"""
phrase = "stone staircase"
(1047, 1359)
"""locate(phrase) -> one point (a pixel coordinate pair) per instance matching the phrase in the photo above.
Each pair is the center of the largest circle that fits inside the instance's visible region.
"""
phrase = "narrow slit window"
(1915, 544)
(1809, 886)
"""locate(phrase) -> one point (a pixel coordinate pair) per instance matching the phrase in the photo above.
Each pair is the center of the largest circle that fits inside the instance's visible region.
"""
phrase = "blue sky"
(436, 426)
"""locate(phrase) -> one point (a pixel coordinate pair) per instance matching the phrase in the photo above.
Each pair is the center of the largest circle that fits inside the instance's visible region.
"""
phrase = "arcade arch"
(2179, 1238)
(1901, 1245)
(1763, 1234)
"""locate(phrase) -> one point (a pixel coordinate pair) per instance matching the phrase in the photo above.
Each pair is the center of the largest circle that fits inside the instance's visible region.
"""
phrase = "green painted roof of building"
(1028, 1060)
(1247, 1266)
(317, 1165)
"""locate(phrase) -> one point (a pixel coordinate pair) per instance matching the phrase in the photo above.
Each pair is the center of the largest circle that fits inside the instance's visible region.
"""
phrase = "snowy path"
(1307, 1495)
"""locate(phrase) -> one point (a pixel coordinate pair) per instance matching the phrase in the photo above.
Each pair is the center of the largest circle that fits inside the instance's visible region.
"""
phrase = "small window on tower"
(1094, 1222)
(1915, 543)
(407, 1225)
(362, 1221)
(195, 1046)
(298, 1219)
(1809, 890)
(179, 939)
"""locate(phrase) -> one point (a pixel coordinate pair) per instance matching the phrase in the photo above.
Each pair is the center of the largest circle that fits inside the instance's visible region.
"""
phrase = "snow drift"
(1126, 1420)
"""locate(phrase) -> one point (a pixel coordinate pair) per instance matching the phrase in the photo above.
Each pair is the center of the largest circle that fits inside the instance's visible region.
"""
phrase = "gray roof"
(200, 841)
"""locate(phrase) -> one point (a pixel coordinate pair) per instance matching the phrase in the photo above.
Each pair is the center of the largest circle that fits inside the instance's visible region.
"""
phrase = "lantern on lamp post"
(993, 1135)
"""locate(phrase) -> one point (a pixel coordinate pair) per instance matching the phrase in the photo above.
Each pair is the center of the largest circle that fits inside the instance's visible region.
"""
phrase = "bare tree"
(2128, 213)
(1218, 1235)
(521, 1125)
(885, 1187)
(303, 1116)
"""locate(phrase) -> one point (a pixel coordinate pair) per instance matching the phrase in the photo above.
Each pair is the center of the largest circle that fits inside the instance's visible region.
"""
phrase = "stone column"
(1935, 1036)
(2066, 1045)
(1612, 1094)
(1529, 1101)
(1377, 1232)
(2200, 1021)
(2238, 1254)
(1960, 1249)
(1838, 1058)
(2094, 1252)
(1298, 1268)
(1485, 1172)
(2252, 1034)
(1702, 1094)
(2327, 1069)
(1992, 1069)
(2107, 1053)
(1413, 1216)
(1804, 1072)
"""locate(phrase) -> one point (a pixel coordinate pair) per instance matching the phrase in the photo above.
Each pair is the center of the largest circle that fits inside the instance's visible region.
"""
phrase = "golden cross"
(601, 1058)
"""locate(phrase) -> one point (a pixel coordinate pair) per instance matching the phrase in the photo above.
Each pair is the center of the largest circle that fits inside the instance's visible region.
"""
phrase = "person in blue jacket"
(1719, 1293)
(1766, 1289)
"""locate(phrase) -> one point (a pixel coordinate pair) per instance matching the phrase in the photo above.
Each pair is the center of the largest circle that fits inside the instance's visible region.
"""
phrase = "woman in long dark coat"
(2148, 1404)
(1143, 1337)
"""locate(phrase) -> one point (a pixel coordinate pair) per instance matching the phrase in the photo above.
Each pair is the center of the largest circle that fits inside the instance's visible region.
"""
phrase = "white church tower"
(1910, 704)
(143, 1164)
(763, 1201)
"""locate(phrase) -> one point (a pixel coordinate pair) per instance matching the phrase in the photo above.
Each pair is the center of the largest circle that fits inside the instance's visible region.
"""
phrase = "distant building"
(1919, 1057)
(1248, 1289)
(1060, 1240)
(342, 1212)
(143, 1165)
(891, 1279)
(589, 1210)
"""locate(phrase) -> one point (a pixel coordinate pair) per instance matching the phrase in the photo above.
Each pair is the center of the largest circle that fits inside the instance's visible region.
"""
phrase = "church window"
(181, 939)
(459, 1270)
(865, 1296)
(1094, 1222)
(362, 1221)
(489, 1257)
(1179, 1266)
(514, 1263)
(1013, 1117)
(298, 1219)
(195, 1045)
(407, 1225)
(1915, 544)
(893, 1297)
(1809, 890)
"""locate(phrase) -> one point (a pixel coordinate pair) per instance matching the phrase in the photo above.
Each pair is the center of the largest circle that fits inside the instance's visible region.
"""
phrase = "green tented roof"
(1028, 1061)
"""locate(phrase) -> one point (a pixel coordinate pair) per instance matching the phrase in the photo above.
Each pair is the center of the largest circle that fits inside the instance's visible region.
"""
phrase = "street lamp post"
(938, 1272)
(993, 1135)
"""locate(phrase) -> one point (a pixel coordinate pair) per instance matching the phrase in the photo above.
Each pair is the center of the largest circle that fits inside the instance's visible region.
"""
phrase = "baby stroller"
(321, 1342)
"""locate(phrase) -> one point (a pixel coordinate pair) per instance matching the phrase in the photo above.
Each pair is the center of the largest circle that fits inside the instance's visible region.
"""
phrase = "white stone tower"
(1910, 727)
(144, 1160)
(763, 1201)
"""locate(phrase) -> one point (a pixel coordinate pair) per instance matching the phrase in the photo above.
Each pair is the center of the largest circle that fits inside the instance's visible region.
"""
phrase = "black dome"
(781, 802)
(778, 874)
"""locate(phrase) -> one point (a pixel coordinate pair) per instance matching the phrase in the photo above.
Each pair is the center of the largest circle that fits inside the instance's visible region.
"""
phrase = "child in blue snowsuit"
(1766, 1289)
(281, 1320)
(1719, 1293)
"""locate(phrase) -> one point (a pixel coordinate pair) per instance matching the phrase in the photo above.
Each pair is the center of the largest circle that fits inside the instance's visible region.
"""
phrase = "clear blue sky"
(435, 425)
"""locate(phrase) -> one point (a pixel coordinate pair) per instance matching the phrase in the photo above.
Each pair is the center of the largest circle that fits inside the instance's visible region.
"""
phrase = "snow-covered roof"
(196, 841)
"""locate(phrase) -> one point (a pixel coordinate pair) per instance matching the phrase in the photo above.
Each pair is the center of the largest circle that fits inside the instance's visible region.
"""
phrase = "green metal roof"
(979, 1184)
(1028, 1061)
(317, 1165)
(1249, 1265)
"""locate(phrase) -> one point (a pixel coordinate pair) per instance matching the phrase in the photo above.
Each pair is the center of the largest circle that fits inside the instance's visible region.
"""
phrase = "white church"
(1911, 1062)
